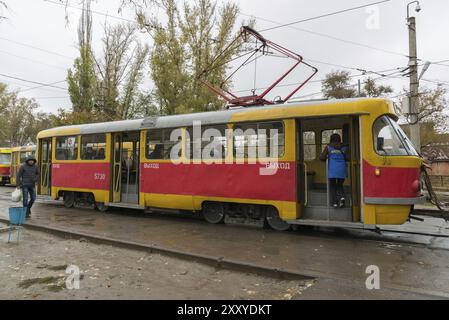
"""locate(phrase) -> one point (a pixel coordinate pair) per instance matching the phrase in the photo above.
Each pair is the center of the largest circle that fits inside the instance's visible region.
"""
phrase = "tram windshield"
(390, 139)
(5, 158)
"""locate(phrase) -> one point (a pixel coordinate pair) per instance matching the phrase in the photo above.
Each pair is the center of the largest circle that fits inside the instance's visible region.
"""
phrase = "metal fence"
(440, 182)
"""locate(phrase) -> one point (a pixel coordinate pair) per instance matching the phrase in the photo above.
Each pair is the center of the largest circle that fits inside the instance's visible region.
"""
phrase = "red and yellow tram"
(130, 164)
(5, 165)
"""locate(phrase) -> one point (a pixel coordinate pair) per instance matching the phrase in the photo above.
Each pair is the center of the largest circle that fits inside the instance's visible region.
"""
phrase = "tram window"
(326, 137)
(213, 138)
(5, 158)
(44, 150)
(66, 148)
(93, 147)
(25, 154)
(309, 145)
(390, 140)
(250, 137)
(159, 145)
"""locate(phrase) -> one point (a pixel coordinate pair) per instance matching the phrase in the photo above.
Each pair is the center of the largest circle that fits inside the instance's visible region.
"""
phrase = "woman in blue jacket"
(336, 154)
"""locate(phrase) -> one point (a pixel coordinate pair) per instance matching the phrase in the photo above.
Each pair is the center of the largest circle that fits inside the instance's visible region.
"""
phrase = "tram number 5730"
(99, 176)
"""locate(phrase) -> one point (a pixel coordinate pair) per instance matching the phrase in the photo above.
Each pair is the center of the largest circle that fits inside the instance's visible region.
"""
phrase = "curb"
(214, 261)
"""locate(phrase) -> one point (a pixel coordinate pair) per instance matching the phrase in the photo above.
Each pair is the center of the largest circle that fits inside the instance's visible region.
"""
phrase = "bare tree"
(120, 71)
(20, 122)
(2, 7)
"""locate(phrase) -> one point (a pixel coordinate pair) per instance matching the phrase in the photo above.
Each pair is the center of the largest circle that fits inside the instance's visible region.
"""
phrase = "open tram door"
(314, 190)
(125, 169)
(45, 157)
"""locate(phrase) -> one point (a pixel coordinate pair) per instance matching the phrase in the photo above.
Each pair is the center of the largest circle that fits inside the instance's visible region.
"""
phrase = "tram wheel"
(100, 206)
(214, 212)
(275, 222)
(69, 199)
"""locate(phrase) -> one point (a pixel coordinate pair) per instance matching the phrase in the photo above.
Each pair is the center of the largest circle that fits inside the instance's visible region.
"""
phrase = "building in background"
(438, 156)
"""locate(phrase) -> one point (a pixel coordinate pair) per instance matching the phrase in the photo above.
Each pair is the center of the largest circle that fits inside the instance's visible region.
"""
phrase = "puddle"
(53, 268)
(54, 284)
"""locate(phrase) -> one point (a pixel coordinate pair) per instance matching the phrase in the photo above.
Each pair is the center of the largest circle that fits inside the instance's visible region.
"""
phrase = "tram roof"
(274, 112)
(28, 148)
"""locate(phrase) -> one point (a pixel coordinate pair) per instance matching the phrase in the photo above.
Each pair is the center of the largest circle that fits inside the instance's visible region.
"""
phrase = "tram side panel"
(187, 186)
(82, 177)
(88, 176)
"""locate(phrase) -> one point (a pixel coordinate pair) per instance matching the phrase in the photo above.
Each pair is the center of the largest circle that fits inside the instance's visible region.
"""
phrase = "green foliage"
(370, 89)
(192, 36)
(106, 87)
(337, 85)
(120, 73)
(82, 82)
(20, 122)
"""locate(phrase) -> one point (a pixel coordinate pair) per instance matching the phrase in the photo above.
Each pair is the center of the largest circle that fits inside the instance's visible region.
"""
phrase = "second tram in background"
(5, 165)
(18, 156)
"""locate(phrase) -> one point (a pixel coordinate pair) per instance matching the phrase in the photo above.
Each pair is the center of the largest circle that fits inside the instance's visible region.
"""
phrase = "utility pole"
(415, 132)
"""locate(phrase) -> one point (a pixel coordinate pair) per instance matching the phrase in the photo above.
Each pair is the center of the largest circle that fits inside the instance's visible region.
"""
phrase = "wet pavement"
(338, 258)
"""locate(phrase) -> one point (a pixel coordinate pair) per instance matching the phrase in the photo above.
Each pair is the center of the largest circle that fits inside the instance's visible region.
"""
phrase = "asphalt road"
(412, 267)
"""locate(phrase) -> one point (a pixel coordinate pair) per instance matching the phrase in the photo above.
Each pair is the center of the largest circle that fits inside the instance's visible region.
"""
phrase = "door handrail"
(306, 187)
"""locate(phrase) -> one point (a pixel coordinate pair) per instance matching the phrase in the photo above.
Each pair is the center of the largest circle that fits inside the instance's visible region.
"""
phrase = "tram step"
(325, 223)
(124, 205)
(327, 213)
(319, 198)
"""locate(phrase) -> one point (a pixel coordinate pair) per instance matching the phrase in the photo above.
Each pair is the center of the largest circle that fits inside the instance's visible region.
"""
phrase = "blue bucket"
(17, 215)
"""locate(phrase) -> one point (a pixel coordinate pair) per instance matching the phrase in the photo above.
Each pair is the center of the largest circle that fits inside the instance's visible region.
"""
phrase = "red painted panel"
(220, 180)
(392, 182)
(81, 175)
(5, 171)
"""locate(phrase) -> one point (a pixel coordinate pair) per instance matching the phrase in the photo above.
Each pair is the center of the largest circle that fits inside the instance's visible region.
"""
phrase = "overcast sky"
(42, 25)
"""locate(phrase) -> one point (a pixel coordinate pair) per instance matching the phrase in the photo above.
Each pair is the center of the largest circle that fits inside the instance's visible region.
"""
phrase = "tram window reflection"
(93, 147)
(66, 148)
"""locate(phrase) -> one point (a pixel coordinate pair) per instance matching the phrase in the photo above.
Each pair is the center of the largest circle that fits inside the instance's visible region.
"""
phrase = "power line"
(29, 87)
(364, 73)
(31, 60)
(35, 82)
(36, 48)
(350, 86)
(328, 36)
(47, 98)
(43, 86)
(325, 15)
(93, 11)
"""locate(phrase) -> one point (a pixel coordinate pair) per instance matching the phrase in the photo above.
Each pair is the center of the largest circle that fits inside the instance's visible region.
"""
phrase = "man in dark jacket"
(27, 177)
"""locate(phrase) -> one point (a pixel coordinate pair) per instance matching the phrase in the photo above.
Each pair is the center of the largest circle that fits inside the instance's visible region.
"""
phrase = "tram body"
(18, 156)
(116, 164)
(5, 165)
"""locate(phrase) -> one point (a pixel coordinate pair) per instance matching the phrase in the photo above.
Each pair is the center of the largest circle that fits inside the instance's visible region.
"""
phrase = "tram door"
(314, 189)
(45, 157)
(126, 167)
